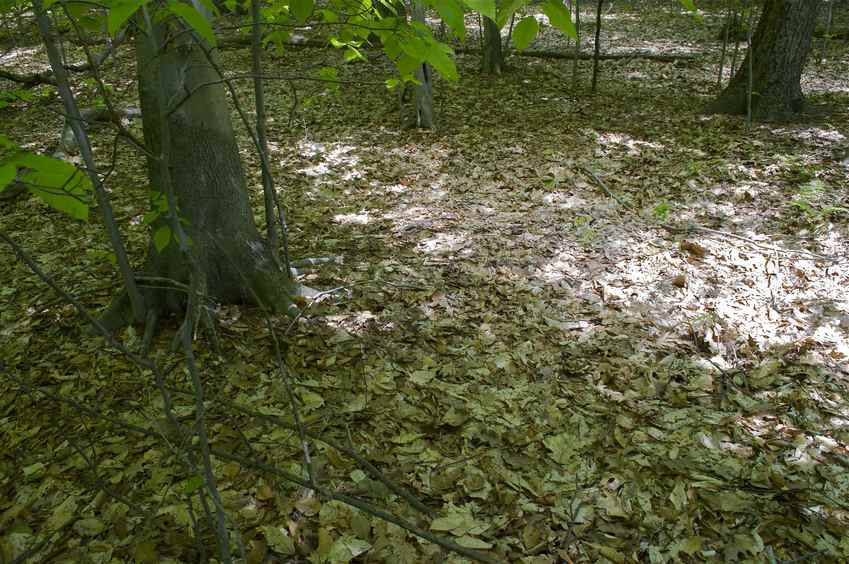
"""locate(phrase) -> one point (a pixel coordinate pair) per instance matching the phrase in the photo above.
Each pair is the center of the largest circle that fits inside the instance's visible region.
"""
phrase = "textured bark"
(424, 76)
(209, 185)
(781, 45)
(492, 60)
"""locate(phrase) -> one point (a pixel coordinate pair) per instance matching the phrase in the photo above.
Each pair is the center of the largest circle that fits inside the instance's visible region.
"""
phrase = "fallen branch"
(604, 187)
(800, 252)
(300, 41)
(28, 80)
(659, 57)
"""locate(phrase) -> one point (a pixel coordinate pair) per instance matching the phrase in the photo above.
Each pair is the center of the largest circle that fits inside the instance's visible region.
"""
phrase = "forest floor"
(581, 328)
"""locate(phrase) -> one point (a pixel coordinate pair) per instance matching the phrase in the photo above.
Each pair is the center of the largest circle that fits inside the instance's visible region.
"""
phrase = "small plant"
(661, 211)
(811, 202)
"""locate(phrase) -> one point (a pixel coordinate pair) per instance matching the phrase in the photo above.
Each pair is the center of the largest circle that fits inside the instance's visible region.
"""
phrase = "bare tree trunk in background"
(597, 43)
(577, 5)
(780, 47)
(492, 60)
(424, 75)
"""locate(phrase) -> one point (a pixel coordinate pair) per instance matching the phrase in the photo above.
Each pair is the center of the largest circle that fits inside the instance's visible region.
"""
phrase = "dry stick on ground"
(533, 53)
(545, 54)
(607, 191)
(364, 463)
(807, 254)
(148, 364)
(293, 405)
(363, 506)
(29, 80)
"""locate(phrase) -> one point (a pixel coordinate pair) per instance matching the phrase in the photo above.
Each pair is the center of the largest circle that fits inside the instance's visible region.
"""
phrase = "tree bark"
(236, 265)
(424, 76)
(492, 61)
(780, 47)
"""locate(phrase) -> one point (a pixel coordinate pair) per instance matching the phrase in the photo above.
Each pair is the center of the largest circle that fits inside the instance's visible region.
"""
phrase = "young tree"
(492, 60)
(780, 48)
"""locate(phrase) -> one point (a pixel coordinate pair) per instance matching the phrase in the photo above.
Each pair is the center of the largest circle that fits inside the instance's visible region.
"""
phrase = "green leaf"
(688, 5)
(439, 56)
(451, 13)
(559, 17)
(346, 548)
(120, 13)
(485, 7)
(195, 20)
(61, 185)
(194, 483)
(89, 527)
(161, 238)
(507, 9)
(524, 32)
(302, 9)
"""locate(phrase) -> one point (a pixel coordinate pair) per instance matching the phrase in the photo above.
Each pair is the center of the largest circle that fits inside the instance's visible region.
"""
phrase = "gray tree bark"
(492, 59)
(209, 185)
(780, 48)
(424, 76)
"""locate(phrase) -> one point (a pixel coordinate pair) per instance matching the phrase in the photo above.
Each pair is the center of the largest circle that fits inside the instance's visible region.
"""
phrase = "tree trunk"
(780, 47)
(492, 61)
(235, 263)
(424, 76)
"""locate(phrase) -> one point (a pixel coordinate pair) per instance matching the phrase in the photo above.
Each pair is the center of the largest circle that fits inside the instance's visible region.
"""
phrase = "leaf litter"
(560, 377)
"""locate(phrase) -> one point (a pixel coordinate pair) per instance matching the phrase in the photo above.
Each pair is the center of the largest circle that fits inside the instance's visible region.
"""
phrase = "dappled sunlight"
(445, 244)
(577, 326)
(361, 218)
(634, 147)
(13, 56)
(334, 160)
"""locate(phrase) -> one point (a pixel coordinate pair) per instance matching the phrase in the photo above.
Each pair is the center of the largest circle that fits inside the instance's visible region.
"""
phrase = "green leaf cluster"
(59, 184)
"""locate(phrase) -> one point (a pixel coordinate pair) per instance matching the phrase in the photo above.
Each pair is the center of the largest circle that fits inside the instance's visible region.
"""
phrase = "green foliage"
(451, 13)
(120, 12)
(811, 202)
(559, 17)
(302, 9)
(507, 9)
(661, 211)
(161, 238)
(195, 20)
(59, 184)
(688, 5)
(524, 32)
(486, 8)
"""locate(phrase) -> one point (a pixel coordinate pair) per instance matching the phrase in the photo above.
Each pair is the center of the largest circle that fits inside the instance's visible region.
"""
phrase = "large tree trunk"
(780, 46)
(492, 61)
(209, 184)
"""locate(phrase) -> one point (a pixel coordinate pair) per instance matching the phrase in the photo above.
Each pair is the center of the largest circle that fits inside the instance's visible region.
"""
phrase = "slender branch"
(76, 123)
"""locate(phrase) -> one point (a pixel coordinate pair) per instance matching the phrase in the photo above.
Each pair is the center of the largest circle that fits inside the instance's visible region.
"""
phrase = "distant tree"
(492, 61)
(780, 48)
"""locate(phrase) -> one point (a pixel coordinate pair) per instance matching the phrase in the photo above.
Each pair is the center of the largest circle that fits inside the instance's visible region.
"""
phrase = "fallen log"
(546, 54)
(300, 41)
(28, 80)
